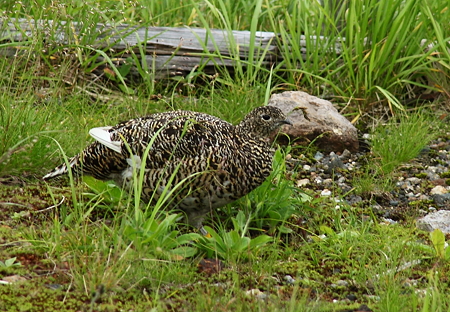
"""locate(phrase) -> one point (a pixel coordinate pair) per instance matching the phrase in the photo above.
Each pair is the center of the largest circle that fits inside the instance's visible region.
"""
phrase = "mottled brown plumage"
(212, 161)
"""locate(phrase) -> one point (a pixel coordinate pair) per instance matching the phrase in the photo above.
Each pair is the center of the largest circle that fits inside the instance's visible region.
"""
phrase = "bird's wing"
(103, 136)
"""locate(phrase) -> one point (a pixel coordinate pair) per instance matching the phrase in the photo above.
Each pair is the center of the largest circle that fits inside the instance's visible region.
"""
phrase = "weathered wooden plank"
(168, 51)
(173, 51)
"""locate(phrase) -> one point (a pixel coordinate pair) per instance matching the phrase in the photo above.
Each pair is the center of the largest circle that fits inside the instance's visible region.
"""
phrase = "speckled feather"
(215, 161)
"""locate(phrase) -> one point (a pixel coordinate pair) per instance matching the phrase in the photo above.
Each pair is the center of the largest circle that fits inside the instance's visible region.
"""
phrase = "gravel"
(420, 186)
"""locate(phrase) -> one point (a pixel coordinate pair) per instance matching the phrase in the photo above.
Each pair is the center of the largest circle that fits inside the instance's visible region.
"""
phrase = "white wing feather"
(102, 135)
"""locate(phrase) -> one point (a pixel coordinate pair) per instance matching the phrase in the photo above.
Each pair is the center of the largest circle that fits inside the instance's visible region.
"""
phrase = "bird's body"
(205, 162)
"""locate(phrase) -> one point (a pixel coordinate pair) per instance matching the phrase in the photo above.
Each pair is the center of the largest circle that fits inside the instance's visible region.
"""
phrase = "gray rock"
(318, 156)
(256, 293)
(342, 283)
(332, 163)
(413, 180)
(289, 279)
(442, 200)
(315, 120)
(435, 220)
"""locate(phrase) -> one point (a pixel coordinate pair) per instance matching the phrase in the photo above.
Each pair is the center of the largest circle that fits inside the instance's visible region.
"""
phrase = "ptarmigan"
(212, 162)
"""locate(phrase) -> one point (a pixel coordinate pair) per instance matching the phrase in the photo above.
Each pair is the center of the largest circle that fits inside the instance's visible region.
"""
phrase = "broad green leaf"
(326, 230)
(260, 241)
(438, 240)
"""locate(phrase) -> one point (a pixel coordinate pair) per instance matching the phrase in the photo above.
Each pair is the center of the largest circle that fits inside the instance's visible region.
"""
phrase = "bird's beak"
(286, 122)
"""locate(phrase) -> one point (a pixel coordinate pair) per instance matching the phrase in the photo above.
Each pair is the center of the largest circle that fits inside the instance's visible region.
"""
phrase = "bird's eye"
(265, 117)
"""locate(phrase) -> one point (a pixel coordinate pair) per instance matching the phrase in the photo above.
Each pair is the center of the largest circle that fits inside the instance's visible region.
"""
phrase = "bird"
(211, 161)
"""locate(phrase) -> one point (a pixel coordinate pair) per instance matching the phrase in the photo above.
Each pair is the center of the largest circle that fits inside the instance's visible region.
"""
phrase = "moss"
(421, 175)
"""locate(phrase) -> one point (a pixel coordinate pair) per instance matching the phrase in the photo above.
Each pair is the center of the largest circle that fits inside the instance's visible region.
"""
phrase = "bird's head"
(263, 121)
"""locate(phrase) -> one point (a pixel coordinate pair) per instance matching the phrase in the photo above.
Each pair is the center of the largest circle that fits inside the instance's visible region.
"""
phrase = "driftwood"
(168, 52)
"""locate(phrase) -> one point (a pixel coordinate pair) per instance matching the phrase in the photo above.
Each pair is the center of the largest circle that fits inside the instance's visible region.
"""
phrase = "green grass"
(393, 144)
(107, 251)
(381, 57)
(403, 139)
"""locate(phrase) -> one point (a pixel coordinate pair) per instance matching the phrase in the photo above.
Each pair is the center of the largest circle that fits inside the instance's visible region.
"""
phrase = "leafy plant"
(439, 249)
(232, 246)
(440, 246)
(109, 193)
(9, 263)
(159, 239)
(276, 200)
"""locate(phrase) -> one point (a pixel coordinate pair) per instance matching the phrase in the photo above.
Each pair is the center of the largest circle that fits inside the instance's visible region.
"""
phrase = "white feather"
(102, 135)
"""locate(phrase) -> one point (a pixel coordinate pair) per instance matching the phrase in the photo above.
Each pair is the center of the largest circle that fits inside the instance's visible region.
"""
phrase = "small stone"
(423, 197)
(256, 293)
(325, 192)
(306, 167)
(439, 190)
(289, 279)
(54, 286)
(388, 221)
(302, 182)
(346, 154)
(413, 180)
(442, 200)
(14, 279)
(333, 162)
(394, 202)
(351, 297)
(353, 199)
(342, 283)
(318, 156)
(435, 220)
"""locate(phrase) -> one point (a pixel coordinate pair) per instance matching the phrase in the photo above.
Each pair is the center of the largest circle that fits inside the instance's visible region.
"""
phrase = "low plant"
(234, 245)
(402, 139)
(438, 250)
(393, 144)
(270, 205)
(9, 263)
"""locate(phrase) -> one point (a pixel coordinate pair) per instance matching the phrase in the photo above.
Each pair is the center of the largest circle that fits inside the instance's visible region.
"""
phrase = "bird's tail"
(62, 169)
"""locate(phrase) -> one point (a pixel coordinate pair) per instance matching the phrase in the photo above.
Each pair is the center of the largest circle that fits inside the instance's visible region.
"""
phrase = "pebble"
(438, 190)
(435, 220)
(302, 182)
(289, 279)
(256, 293)
(318, 180)
(388, 221)
(318, 156)
(413, 180)
(346, 154)
(13, 279)
(442, 200)
(411, 185)
(351, 297)
(342, 283)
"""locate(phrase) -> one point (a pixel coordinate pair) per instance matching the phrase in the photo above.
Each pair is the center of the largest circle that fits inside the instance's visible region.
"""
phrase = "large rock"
(315, 120)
